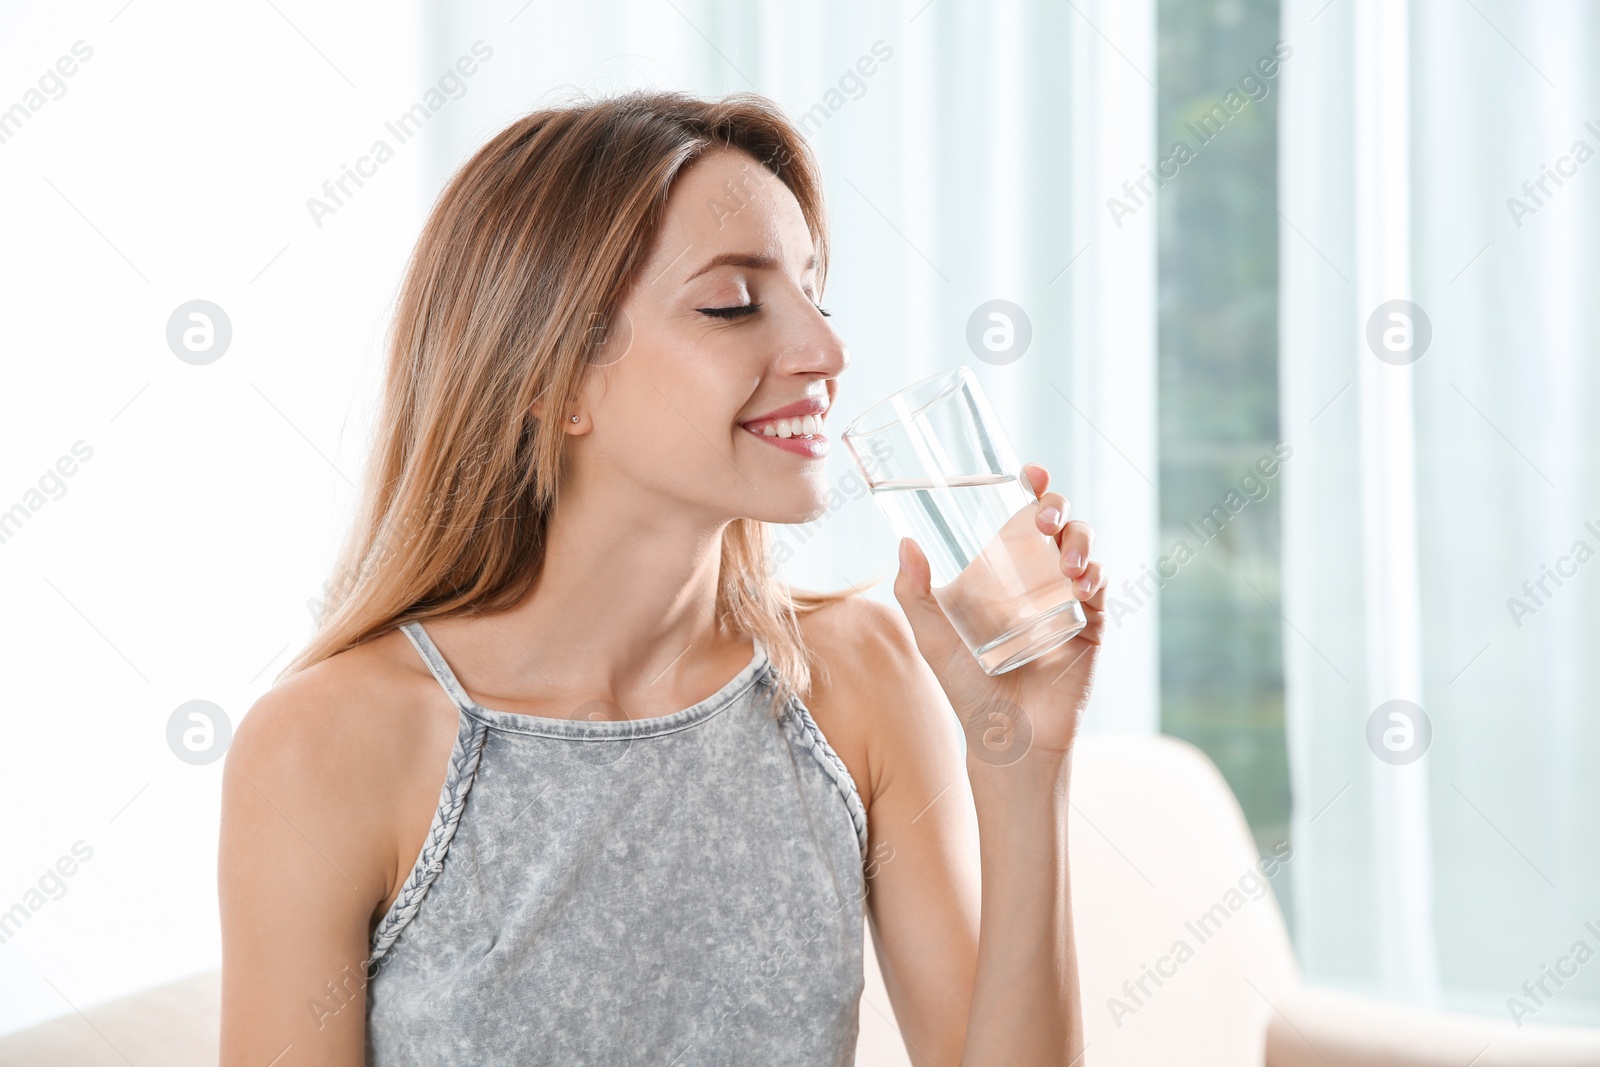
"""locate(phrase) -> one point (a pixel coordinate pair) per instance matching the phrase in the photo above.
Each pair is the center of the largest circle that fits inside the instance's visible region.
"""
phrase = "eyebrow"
(745, 259)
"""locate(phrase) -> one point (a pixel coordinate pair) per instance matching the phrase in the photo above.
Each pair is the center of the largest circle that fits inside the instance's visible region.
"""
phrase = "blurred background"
(1286, 295)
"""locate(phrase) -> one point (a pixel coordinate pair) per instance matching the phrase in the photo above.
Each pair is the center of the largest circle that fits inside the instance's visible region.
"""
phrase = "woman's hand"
(1034, 708)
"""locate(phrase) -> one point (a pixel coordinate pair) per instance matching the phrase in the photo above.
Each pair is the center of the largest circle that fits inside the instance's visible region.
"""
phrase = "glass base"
(1032, 639)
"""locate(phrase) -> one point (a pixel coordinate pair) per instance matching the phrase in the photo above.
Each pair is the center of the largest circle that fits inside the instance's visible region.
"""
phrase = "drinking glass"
(944, 474)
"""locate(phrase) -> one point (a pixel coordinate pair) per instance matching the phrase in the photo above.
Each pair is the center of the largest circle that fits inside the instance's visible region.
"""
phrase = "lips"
(815, 446)
(795, 427)
(810, 405)
(794, 418)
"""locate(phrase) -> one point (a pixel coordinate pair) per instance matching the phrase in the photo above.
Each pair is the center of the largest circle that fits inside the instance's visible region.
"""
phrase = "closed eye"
(737, 311)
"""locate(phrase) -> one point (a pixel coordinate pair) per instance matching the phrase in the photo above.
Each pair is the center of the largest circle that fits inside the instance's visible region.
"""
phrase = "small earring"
(574, 418)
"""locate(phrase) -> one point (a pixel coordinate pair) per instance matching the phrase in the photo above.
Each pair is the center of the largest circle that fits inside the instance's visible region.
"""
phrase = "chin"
(803, 507)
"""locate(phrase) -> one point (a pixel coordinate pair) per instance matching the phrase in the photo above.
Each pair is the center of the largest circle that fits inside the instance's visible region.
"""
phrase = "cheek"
(698, 376)
(665, 425)
(669, 409)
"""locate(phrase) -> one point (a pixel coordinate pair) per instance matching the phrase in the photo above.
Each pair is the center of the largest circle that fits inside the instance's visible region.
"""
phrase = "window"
(1222, 681)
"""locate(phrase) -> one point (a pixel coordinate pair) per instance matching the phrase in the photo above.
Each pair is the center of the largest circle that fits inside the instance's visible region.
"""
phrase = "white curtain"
(1444, 503)
(970, 165)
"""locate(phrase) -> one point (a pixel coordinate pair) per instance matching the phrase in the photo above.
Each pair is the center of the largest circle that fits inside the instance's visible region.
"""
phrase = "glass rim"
(855, 430)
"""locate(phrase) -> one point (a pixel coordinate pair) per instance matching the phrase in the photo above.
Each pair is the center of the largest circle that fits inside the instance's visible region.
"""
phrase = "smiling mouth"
(793, 426)
(800, 434)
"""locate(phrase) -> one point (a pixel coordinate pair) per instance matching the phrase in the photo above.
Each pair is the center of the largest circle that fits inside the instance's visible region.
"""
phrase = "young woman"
(567, 776)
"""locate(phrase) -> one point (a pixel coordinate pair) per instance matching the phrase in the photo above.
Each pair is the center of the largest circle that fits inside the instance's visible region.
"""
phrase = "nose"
(814, 347)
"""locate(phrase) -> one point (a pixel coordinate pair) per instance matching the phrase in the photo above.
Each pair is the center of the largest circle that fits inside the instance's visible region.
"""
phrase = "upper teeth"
(792, 427)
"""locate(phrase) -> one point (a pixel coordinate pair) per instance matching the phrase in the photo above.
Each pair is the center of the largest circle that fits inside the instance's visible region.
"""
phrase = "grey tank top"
(679, 890)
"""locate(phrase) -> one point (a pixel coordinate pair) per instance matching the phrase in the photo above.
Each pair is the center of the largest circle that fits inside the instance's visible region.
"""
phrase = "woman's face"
(721, 331)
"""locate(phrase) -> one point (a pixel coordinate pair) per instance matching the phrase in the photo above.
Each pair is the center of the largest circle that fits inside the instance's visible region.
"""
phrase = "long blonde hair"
(520, 267)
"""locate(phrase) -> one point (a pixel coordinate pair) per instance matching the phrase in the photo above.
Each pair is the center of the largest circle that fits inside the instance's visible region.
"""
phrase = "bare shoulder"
(859, 640)
(322, 725)
(331, 776)
(873, 687)
(341, 751)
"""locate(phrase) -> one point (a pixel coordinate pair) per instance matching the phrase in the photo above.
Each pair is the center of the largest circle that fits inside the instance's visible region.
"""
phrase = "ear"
(568, 426)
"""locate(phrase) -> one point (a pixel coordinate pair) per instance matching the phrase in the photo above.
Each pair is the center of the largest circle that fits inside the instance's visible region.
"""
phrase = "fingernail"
(1074, 560)
(903, 563)
(1051, 515)
(1082, 587)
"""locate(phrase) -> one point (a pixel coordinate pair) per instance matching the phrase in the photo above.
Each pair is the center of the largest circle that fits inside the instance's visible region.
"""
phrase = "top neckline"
(586, 729)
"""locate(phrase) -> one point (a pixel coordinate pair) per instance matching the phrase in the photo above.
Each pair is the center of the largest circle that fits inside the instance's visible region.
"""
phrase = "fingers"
(1094, 605)
(1052, 513)
(912, 581)
(1077, 539)
(1090, 587)
(1037, 477)
(936, 639)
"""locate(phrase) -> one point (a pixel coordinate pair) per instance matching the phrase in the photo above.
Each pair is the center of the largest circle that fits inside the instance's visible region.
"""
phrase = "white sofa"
(1158, 842)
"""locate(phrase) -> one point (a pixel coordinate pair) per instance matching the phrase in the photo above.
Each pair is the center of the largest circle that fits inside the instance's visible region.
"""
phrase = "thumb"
(936, 638)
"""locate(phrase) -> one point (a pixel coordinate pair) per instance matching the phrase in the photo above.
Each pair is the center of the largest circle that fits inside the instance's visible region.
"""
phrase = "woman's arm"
(922, 868)
(301, 868)
(1025, 1003)
(992, 981)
